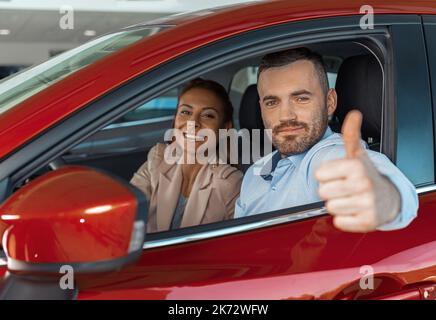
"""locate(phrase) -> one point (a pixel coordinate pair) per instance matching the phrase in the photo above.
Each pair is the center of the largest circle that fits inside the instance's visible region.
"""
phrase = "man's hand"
(356, 194)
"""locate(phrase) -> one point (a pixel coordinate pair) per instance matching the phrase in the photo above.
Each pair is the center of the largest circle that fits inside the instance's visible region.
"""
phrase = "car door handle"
(426, 292)
(417, 291)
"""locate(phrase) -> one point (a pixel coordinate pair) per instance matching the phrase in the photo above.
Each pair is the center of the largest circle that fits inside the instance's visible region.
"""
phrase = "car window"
(23, 85)
(163, 106)
(243, 79)
(122, 147)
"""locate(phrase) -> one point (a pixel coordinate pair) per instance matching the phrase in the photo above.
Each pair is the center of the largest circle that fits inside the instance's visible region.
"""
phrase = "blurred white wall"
(162, 6)
(30, 31)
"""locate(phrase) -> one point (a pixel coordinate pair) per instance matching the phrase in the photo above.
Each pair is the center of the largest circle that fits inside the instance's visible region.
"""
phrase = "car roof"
(191, 16)
(189, 31)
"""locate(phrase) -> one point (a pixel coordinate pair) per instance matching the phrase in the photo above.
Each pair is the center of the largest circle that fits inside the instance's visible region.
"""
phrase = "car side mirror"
(75, 216)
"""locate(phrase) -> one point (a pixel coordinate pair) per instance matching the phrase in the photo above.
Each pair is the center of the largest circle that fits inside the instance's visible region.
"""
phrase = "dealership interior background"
(30, 31)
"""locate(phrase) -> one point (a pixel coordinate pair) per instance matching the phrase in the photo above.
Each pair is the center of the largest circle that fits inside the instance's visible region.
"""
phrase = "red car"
(73, 131)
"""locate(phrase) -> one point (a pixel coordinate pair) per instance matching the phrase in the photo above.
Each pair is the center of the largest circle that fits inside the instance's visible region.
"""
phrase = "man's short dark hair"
(283, 58)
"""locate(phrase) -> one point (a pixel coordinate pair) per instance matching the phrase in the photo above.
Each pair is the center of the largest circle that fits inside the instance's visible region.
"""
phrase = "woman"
(191, 193)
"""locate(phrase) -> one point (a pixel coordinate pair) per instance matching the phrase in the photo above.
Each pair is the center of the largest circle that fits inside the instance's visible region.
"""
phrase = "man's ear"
(332, 101)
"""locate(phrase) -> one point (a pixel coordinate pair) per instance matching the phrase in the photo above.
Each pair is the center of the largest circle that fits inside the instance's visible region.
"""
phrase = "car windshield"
(25, 84)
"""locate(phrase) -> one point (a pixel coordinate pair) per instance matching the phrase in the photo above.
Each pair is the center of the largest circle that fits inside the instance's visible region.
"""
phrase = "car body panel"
(308, 259)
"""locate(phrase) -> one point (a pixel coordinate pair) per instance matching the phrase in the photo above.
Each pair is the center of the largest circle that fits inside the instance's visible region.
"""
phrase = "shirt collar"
(272, 161)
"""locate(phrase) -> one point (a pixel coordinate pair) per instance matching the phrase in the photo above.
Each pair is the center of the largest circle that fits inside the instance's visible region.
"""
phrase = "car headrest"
(250, 116)
(359, 85)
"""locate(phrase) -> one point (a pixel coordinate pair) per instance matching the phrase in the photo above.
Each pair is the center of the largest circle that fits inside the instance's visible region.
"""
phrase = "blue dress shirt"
(274, 183)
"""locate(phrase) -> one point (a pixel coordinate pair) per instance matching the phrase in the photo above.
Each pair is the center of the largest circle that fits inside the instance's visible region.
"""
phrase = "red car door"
(308, 259)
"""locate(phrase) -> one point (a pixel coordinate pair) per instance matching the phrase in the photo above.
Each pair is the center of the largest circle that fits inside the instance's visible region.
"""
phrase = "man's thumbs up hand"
(356, 194)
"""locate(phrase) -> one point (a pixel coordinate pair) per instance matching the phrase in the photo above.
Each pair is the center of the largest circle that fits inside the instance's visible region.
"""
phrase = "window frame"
(429, 26)
(413, 113)
(100, 113)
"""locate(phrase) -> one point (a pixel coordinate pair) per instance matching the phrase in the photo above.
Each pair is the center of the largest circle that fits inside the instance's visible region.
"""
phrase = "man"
(363, 190)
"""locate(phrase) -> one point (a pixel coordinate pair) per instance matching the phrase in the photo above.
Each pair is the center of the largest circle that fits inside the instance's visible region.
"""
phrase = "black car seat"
(250, 118)
(359, 85)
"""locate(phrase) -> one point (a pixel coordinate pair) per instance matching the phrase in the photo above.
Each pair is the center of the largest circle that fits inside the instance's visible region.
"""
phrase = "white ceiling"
(160, 6)
(43, 26)
(35, 35)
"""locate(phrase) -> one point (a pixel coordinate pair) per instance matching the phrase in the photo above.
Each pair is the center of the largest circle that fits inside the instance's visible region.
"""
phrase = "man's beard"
(295, 144)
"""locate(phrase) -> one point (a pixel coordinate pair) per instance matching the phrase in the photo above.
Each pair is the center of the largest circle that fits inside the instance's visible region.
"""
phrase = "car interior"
(121, 147)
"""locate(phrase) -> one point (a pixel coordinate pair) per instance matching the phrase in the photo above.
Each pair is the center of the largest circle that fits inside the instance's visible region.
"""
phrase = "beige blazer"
(212, 197)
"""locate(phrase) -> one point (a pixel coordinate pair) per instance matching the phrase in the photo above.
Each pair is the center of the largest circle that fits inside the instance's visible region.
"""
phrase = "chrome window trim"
(250, 226)
(236, 229)
(425, 189)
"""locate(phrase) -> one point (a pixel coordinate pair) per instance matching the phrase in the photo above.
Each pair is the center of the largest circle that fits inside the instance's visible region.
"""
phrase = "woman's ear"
(228, 125)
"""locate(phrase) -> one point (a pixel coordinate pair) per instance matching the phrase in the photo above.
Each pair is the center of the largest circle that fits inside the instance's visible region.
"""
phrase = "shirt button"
(274, 188)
